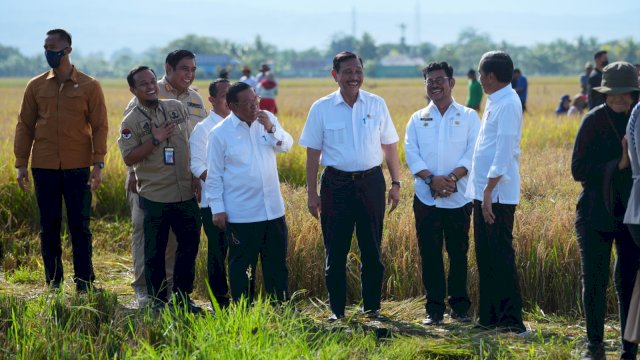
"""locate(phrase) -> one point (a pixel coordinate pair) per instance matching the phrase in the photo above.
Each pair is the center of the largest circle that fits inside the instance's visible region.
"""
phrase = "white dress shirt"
(243, 178)
(497, 151)
(198, 144)
(349, 138)
(441, 143)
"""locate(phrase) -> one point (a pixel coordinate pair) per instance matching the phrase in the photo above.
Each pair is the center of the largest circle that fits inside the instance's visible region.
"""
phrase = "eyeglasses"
(252, 103)
(437, 81)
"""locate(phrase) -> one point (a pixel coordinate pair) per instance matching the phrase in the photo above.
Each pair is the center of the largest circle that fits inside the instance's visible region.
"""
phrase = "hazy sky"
(106, 26)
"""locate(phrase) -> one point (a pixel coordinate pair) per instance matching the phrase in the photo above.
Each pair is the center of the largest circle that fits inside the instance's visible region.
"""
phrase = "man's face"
(53, 42)
(438, 86)
(350, 77)
(486, 80)
(145, 87)
(620, 103)
(603, 60)
(219, 102)
(246, 108)
(183, 75)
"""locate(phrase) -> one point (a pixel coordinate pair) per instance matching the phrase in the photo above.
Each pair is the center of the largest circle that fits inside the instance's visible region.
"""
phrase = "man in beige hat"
(600, 162)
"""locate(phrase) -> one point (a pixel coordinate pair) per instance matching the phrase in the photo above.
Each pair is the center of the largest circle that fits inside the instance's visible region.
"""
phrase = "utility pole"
(403, 44)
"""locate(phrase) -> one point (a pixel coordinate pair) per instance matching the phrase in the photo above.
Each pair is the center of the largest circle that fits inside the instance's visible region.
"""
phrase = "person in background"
(267, 90)
(520, 85)
(247, 78)
(584, 78)
(62, 125)
(578, 105)
(216, 240)
(494, 185)
(474, 97)
(600, 162)
(438, 145)
(264, 69)
(352, 130)
(564, 105)
(601, 59)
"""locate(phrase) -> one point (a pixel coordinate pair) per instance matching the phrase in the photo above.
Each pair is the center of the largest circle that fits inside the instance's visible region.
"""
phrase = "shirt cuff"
(417, 167)
(98, 158)
(495, 171)
(217, 207)
(198, 170)
(22, 163)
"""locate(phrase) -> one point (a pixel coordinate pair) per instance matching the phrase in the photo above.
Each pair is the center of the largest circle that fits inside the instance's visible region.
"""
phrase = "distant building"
(399, 65)
(311, 67)
(209, 65)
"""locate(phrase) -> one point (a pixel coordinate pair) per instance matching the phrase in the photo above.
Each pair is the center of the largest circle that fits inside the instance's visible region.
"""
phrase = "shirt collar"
(338, 99)
(73, 77)
(501, 93)
(235, 120)
(432, 107)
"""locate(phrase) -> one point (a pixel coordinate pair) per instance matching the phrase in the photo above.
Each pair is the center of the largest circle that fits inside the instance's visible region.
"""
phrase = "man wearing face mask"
(63, 112)
(601, 60)
(180, 67)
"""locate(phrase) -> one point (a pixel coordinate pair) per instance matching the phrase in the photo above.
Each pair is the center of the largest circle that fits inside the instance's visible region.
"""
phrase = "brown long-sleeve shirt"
(61, 126)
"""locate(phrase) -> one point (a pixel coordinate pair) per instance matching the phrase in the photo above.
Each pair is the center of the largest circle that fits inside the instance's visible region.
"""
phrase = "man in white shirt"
(351, 129)
(247, 78)
(216, 241)
(438, 147)
(243, 191)
(494, 185)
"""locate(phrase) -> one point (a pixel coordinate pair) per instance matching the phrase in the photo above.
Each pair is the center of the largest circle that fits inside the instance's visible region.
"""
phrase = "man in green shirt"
(475, 91)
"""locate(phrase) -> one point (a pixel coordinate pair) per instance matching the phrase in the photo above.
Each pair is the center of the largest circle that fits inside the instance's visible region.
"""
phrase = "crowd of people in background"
(189, 167)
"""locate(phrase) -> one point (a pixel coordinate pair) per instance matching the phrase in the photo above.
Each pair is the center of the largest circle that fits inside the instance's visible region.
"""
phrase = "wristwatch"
(99, 165)
(155, 141)
(428, 180)
(396, 182)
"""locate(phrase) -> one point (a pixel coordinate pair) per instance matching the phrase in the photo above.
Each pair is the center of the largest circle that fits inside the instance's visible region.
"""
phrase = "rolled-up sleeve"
(198, 144)
(281, 136)
(412, 148)
(214, 185)
(506, 141)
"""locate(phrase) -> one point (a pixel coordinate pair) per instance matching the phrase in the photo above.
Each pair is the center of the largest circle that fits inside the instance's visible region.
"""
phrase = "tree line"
(557, 57)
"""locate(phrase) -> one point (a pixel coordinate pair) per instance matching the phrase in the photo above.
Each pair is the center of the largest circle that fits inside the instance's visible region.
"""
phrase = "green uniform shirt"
(475, 93)
(158, 181)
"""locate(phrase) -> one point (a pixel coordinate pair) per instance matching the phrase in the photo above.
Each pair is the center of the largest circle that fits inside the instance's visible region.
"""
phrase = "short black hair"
(63, 34)
(174, 57)
(344, 56)
(516, 70)
(599, 53)
(448, 69)
(471, 72)
(234, 89)
(499, 63)
(136, 70)
(213, 87)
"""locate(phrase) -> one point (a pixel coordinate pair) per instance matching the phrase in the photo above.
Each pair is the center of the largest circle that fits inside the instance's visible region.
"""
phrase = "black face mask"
(605, 63)
(53, 57)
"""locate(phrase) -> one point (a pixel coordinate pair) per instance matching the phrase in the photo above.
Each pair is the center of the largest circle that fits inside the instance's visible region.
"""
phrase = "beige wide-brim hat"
(619, 77)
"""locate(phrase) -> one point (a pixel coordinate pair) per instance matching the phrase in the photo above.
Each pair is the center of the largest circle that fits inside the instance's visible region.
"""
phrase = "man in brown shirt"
(154, 142)
(62, 126)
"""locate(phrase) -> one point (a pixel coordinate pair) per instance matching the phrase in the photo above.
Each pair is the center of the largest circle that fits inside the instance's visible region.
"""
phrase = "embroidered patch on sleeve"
(126, 134)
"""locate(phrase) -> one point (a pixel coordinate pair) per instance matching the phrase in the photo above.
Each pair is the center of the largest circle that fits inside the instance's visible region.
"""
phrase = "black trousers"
(51, 186)
(247, 241)
(595, 255)
(216, 257)
(347, 202)
(500, 299)
(184, 219)
(433, 226)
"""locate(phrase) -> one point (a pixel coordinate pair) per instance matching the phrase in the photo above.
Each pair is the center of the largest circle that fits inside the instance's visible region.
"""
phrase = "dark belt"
(354, 175)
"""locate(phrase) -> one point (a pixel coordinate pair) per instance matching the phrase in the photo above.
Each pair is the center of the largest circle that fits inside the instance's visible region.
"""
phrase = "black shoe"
(372, 314)
(83, 287)
(433, 320)
(594, 352)
(188, 304)
(460, 317)
(333, 318)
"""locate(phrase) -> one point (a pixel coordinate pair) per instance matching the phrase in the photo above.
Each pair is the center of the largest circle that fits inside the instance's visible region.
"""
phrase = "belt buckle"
(357, 175)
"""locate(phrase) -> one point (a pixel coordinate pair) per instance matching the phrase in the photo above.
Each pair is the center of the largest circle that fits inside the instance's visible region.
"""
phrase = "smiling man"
(62, 126)
(352, 130)
(154, 142)
(438, 146)
(180, 67)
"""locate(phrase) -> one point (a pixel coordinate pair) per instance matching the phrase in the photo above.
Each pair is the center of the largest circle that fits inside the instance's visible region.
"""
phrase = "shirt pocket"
(238, 154)
(457, 130)
(74, 101)
(426, 132)
(335, 133)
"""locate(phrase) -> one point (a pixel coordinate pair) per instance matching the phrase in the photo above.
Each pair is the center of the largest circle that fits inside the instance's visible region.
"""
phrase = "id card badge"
(168, 156)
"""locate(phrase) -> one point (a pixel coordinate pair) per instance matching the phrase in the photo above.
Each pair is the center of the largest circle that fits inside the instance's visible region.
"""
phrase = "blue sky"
(107, 26)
